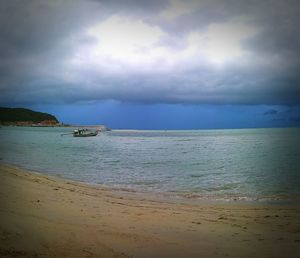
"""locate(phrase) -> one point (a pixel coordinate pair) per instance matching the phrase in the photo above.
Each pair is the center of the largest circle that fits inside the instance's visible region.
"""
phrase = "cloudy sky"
(153, 64)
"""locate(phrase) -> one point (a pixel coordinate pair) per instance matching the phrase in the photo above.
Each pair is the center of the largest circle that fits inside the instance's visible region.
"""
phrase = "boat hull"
(85, 135)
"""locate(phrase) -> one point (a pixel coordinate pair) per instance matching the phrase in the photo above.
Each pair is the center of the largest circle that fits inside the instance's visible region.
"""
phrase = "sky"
(160, 64)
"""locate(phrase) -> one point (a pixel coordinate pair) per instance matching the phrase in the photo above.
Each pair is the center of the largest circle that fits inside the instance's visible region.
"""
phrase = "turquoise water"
(247, 163)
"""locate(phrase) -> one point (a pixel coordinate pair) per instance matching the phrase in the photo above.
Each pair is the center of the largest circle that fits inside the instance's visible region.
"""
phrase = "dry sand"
(42, 216)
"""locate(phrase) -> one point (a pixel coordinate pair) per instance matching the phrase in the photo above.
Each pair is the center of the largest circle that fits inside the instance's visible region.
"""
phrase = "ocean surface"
(246, 164)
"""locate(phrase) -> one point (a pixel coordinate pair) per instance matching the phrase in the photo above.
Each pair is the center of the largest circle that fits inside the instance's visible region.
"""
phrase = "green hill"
(24, 115)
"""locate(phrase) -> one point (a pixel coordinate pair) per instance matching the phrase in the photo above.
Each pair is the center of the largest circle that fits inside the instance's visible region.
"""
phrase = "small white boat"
(84, 133)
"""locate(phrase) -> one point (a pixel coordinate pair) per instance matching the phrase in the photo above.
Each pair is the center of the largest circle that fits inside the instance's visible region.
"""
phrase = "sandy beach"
(43, 216)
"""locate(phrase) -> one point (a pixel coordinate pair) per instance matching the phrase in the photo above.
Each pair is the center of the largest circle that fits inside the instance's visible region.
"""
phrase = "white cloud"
(122, 38)
(123, 45)
(120, 44)
(221, 42)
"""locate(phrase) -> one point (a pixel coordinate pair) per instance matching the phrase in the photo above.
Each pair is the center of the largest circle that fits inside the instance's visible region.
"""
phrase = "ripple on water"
(256, 162)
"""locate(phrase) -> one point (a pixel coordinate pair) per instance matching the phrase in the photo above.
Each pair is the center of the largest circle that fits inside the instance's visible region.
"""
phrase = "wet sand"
(42, 216)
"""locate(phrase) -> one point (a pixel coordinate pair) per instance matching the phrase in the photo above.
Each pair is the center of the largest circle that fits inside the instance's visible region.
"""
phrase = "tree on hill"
(23, 114)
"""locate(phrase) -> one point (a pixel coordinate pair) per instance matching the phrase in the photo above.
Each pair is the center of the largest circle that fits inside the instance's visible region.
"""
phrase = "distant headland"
(26, 117)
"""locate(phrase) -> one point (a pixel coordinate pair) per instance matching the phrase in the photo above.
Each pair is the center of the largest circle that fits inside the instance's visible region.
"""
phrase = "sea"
(238, 164)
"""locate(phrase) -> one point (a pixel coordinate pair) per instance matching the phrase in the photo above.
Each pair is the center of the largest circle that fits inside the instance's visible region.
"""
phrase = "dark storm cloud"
(39, 40)
(271, 112)
(135, 7)
(289, 115)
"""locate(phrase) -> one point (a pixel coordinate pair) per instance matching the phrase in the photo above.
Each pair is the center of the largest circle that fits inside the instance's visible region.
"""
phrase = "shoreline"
(174, 197)
(45, 216)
